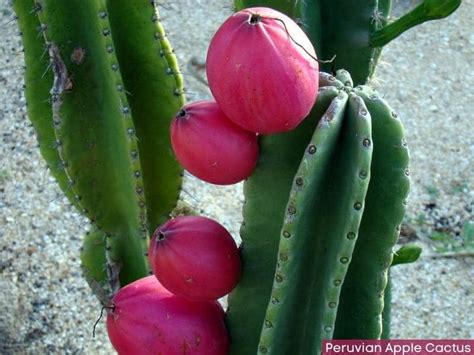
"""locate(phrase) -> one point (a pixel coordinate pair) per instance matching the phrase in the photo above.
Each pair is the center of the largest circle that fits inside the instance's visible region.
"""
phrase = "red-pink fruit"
(212, 147)
(195, 257)
(260, 72)
(148, 320)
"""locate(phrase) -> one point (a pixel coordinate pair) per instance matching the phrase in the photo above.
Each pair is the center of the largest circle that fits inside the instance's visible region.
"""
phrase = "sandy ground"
(426, 74)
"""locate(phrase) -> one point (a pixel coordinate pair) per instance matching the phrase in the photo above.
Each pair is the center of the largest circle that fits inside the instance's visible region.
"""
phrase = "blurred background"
(426, 74)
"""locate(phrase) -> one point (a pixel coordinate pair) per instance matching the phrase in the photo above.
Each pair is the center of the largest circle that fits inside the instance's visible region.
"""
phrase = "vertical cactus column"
(155, 85)
(111, 156)
(95, 134)
(322, 217)
(38, 82)
(331, 213)
(362, 293)
(266, 196)
(353, 31)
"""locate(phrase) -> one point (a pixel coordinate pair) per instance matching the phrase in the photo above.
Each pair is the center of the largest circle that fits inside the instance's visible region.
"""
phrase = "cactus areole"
(262, 70)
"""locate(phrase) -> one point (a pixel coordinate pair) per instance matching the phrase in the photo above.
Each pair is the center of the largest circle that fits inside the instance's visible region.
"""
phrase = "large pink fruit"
(195, 257)
(259, 73)
(212, 147)
(149, 320)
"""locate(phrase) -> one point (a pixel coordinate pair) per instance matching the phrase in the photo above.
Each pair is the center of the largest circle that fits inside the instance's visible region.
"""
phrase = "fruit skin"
(148, 319)
(259, 76)
(195, 257)
(210, 146)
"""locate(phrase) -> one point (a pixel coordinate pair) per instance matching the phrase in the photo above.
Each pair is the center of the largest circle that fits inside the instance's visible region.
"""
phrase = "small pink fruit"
(212, 147)
(195, 257)
(149, 320)
(259, 73)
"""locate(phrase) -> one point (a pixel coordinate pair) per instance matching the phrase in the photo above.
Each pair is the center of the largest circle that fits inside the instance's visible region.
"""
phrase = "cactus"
(353, 32)
(330, 235)
(101, 102)
(322, 209)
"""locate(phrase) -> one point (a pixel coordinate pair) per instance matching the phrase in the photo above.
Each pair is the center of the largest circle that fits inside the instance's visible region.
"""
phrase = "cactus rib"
(362, 295)
(37, 85)
(322, 219)
(155, 91)
(426, 11)
(94, 131)
(94, 265)
(266, 193)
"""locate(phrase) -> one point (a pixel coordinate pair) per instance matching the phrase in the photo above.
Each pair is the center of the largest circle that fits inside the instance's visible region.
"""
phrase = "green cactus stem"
(155, 90)
(387, 309)
(353, 31)
(407, 254)
(362, 295)
(266, 195)
(289, 7)
(94, 265)
(102, 85)
(426, 11)
(309, 252)
(94, 133)
(38, 81)
(319, 233)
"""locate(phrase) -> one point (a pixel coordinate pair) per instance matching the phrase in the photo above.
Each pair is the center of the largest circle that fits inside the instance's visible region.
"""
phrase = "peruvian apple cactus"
(326, 181)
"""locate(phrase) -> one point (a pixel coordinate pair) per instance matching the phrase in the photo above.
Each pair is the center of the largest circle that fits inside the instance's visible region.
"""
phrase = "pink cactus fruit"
(149, 320)
(195, 257)
(262, 70)
(210, 146)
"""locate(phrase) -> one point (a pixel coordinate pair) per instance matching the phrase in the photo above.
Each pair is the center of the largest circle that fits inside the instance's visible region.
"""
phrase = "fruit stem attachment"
(181, 114)
(255, 18)
(161, 236)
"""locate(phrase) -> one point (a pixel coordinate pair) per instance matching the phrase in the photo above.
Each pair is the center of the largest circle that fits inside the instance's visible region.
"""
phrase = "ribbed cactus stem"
(426, 11)
(339, 224)
(266, 195)
(362, 296)
(154, 82)
(38, 82)
(322, 218)
(94, 131)
(102, 85)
